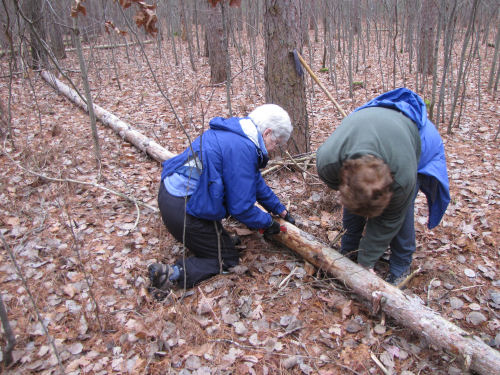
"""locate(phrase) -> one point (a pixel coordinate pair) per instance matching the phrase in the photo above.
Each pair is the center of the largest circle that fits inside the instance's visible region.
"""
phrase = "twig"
(467, 287)
(85, 274)
(379, 364)
(408, 278)
(287, 278)
(32, 299)
(295, 163)
(429, 290)
(86, 183)
(213, 312)
(274, 167)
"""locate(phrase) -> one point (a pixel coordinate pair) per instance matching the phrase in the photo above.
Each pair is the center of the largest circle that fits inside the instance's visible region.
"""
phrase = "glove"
(289, 218)
(274, 228)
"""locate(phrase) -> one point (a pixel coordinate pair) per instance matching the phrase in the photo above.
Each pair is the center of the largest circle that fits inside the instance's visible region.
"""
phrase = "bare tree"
(186, 30)
(37, 19)
(493, 68)
(10, 338)
(55, 30)
(217, 54)
(88, 95)
(283, 85)
(461, 71)
(428, 22)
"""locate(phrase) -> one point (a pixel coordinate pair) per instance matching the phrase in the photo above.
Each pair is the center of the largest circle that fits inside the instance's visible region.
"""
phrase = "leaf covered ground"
(83, 251)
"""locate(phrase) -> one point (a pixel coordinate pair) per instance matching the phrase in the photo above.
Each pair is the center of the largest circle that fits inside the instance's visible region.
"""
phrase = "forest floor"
(66, 236)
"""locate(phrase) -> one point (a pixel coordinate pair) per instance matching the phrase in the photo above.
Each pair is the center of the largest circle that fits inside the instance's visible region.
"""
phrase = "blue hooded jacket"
(230, 182)
(432, 166)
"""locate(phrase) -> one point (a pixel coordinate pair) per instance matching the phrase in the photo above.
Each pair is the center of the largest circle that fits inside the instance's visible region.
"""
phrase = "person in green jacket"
(378, 158)
(372, 158)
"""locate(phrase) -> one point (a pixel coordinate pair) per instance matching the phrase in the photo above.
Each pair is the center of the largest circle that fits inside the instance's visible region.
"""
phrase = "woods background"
(74, 251)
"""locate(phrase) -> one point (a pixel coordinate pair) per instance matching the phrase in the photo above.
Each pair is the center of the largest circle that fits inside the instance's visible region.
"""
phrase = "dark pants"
(201, 237)
(402, 245)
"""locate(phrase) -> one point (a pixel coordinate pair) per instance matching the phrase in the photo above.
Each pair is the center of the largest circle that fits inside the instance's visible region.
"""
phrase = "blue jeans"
(402, 245)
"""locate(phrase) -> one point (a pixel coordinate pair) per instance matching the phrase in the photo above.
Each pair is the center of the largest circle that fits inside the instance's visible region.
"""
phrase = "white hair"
(272, 116)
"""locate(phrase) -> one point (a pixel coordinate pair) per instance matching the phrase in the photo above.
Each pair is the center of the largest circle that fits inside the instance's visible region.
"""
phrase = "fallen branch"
(111, 46)
(407, 310)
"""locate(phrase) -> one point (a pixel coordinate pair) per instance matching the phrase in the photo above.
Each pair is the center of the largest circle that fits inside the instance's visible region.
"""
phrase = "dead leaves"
(78, 8)
(110, 26)
(235, 3)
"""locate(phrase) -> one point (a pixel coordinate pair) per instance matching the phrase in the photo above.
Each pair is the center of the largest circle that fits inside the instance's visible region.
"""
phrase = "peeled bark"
(407, 310)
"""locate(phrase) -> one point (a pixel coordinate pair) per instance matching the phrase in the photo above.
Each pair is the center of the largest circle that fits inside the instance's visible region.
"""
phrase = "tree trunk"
(217, 55)
(186, 29)
(225, 42)
(494, 61)
(37, 34)
(461, 71)
(56, 35)
(284, 86)
(407, 310)
(425, 54)
(9, 335)
(88, 95)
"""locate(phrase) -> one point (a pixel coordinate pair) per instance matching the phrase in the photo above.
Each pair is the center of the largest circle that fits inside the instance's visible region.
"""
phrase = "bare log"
(407, 310)
(143, 143)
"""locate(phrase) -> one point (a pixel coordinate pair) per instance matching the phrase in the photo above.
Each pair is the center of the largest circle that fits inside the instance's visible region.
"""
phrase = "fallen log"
(143, 143)
(407, 310)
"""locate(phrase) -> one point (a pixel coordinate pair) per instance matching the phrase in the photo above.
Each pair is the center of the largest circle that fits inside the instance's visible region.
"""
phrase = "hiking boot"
(396, 280)
(159, 275)
(236, 239)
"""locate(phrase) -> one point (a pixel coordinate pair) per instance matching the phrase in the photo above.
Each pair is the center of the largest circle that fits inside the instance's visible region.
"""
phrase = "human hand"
(289, 218)
(274, 228)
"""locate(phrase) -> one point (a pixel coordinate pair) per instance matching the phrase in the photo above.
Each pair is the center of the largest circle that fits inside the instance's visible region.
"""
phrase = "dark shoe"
(159, 274)
(160, 283)
(236, 239)
(396, 280)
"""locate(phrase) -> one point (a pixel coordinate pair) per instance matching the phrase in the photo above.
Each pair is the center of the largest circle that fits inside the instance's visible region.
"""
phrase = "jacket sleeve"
(241, 181)
(382, 229)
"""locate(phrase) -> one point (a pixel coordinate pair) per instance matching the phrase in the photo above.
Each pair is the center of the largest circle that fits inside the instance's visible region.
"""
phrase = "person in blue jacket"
(378, 158)
(216, 176)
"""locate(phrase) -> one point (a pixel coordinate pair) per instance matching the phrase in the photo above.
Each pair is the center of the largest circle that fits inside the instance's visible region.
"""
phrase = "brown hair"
(365, 185)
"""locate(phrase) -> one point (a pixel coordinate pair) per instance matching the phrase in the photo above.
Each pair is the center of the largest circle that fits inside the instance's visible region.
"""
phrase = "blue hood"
(432, 164)
(233, 125)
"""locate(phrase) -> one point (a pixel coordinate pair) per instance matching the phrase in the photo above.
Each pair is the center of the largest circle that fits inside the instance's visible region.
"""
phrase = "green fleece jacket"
(388, 135)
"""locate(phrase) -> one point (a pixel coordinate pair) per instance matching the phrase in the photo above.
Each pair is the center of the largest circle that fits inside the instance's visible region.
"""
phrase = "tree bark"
(56, 33)
(217, 55)
(407, 310)
(425, 55)
(9, 335)
(283, 85)
(38, 53)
